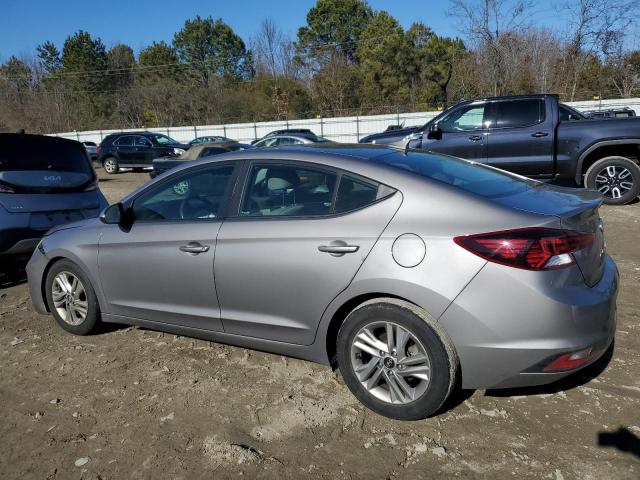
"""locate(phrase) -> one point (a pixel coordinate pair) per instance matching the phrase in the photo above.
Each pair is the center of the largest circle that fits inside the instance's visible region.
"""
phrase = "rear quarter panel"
(576, 139)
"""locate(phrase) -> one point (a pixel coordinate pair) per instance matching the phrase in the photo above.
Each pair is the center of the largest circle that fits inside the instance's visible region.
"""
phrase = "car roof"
(29, 137)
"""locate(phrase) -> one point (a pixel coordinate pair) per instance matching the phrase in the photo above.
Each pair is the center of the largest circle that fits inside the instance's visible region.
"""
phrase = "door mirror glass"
(435, 133)
(113, 214)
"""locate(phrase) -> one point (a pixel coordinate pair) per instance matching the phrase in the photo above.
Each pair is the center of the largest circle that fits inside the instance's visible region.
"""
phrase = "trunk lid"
(45, 181)
(577, 210)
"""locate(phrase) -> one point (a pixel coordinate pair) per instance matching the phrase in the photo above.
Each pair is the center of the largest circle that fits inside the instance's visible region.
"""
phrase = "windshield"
(163, 139)
(19, 152)
(468, 176)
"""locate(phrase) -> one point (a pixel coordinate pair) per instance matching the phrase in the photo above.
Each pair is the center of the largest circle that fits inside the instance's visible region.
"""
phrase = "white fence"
(339, 129)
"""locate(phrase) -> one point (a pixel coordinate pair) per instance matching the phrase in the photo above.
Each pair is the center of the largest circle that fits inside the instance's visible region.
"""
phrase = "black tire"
(598, 173)
(111, 165)
(92, 318)
(438, 346)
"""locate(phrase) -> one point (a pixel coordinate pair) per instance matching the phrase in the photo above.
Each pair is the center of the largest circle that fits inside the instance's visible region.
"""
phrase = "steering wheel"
(197, 207)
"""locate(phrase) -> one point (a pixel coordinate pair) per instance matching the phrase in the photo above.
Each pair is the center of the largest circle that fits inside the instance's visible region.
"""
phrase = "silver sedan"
(408, 271)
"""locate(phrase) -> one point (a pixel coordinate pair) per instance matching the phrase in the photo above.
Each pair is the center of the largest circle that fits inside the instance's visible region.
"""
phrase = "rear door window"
(354, 193)
(518, 113)
(288, 190)
(34, 152)
(303, 191)
(126, 141)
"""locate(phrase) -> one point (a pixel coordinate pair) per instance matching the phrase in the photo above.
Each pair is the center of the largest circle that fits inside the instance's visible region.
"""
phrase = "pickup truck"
(535, 136)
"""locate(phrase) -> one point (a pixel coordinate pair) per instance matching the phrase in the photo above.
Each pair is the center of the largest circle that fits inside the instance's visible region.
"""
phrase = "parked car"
(624, 112)
(136, 150)
(292, 139)
(44, 182)
(535, 136)
(286, 131)
(406, 270)
(161, 165)
(210, 139)
(91, 149)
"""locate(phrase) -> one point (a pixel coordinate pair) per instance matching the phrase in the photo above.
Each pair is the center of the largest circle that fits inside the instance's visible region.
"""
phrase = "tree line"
(348, 59)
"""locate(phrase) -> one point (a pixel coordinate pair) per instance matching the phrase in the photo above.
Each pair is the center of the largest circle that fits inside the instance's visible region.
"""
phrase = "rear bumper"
(508, 323)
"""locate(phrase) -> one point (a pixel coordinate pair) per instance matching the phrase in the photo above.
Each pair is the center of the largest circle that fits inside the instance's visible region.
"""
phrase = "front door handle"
(338, 249)
(194, 248)
(475, 138)
(540, 134)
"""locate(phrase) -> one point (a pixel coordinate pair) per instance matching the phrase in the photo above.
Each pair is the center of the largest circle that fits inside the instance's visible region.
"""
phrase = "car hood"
(393, 135)
(87, 222)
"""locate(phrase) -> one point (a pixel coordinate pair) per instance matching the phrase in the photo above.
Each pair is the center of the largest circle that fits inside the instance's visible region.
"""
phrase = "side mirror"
(434, 132)
(113, 214)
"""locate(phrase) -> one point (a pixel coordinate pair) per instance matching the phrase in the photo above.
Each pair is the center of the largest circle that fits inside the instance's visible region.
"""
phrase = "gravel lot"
(141, 404)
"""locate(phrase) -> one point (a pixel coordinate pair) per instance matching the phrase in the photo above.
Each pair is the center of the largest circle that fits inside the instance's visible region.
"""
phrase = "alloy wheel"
(390, 362)
(69, 298)
(614, 181)
(110, 165)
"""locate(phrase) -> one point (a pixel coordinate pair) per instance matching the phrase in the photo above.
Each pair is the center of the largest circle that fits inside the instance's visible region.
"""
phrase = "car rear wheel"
(396, 360)
(71, 298)
(110, 165)
(617, 178)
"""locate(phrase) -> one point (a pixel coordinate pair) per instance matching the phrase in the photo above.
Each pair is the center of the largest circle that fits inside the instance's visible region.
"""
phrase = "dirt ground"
(133, 403)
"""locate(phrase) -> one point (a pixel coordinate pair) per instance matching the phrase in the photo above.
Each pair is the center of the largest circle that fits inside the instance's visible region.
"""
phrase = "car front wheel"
(71, 298)
(396, 360)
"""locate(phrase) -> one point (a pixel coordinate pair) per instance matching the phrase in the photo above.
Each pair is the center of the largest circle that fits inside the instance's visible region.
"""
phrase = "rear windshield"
(471, 177)
(33, 152)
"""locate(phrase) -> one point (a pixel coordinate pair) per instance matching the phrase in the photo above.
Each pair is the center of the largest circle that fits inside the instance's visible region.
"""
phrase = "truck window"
(463, 119)
(567, 114)
(518, 113)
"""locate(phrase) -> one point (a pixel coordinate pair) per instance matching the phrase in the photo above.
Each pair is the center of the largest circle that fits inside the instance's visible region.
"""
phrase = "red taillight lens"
(569, 361)
(528, 248)
(98, 149)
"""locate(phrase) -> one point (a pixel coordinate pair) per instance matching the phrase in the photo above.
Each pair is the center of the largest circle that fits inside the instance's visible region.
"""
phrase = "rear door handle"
(338, 250)
(540, 134)
(194, 248)
(475, 138)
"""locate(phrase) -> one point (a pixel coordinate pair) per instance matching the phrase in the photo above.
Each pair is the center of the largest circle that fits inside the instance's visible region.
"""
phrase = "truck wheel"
(617, 178)
(395, 359)
(110, 165)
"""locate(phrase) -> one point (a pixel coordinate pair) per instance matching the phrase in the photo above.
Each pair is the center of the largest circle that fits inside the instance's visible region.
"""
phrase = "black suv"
(136, 150)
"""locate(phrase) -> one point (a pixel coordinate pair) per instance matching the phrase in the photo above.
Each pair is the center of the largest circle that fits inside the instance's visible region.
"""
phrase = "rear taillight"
(6, 188)
(98, 149)
(528, 248)
(91, 186)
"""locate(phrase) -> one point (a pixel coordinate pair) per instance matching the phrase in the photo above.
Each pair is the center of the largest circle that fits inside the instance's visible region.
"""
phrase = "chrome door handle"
(338, 250)
(475, 138)
(540, 134)
(194, 248)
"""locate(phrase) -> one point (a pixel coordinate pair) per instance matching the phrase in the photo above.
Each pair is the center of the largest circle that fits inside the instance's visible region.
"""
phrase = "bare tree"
(486, 22)
(273, 51)
(593, 24)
